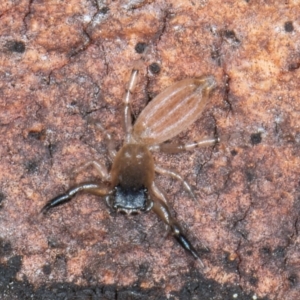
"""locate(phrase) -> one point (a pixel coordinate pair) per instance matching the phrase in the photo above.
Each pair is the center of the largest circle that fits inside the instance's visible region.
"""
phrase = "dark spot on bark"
(253, 281)
(60, 263)
(38, 135)
(154, 68)
(5, 247)
(289, 138)
(293, 280)
(230, 35)
(288, 26)
(242, 231)
(279, 252)
(216, 55)
(2, 197)
(47, 269)
(266, 251)
(249, 252)
(52, 148)
(234, 152)
(140, 47)
(16, 46)
(31, 166)
(53, 243)
(60, 257)
(249, 175)
(143, 270)
(15, 262)
(293, 66)
(255, 138)
(104, 10)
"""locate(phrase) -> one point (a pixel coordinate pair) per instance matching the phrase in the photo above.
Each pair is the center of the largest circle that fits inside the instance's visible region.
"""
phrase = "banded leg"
(173, 148)
(158, 193)
(111, 147)
(127, 99)
(90, 188)
(175, 175)
(163, 212)
(97, 165)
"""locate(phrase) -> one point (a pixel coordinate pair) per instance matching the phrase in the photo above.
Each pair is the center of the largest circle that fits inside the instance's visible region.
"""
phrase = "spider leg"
(90, 188)
(96, 164)
(172, 148)
(175, 175)
(127, 99)
(110, 142)
(162, 210)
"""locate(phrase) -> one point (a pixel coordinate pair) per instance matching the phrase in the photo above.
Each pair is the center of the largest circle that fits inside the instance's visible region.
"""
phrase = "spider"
(129, 187)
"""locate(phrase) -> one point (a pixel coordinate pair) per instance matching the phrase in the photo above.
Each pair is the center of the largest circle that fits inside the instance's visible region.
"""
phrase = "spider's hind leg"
(175, 147)
(161, 208)
(177, 176)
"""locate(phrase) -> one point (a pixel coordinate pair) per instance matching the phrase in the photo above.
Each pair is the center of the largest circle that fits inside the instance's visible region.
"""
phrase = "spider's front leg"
(90, 188)
(162, 210)
(127, 98)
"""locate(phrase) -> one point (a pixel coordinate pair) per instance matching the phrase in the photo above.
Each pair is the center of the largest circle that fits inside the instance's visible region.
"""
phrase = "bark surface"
(64, 66)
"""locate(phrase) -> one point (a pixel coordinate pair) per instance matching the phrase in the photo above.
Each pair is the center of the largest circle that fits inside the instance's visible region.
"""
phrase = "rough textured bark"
(65, 64)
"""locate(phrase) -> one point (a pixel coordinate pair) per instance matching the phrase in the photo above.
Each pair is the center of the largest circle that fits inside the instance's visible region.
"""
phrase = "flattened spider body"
(131, 186)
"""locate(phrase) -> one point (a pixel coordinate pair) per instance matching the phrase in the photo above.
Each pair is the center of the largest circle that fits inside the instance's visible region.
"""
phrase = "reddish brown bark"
(65, 63)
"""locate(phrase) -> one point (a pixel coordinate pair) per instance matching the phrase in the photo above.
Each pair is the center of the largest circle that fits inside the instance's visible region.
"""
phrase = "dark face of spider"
(130, 200)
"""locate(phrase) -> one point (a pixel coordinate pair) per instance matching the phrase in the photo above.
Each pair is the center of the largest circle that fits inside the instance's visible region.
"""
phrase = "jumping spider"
(129, 187)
